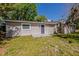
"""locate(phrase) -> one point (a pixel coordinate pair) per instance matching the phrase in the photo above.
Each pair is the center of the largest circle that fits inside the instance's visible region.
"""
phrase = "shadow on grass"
(10, 38)
(5, 40)
(73, 36)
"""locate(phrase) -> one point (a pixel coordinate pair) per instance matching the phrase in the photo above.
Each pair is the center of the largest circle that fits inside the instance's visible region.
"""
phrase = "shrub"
(2, 35)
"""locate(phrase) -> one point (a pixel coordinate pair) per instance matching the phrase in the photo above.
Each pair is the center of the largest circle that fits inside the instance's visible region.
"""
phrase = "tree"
(73, 17)
(25, 12)
(18, 11)
(77, 23)
(40, 18)
(4, 9)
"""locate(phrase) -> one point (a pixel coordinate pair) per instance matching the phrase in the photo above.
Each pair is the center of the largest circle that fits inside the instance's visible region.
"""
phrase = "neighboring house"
(23, 28)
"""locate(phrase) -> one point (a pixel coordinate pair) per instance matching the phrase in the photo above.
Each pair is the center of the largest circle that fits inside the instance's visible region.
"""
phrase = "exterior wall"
(55, 29)
(49, 29)
(66, 30)
(35, 29)
(25, 32)
(15, 29)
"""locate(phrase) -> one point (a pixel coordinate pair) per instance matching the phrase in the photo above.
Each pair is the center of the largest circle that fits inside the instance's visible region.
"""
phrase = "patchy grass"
(43, 46)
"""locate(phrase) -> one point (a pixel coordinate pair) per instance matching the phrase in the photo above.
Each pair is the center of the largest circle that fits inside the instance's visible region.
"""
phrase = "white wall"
(25, 32)
(15, 29)
(49, 30)
(35, 30)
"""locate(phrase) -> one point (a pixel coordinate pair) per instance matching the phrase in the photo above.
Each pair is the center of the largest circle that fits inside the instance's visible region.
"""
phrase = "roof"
(20, 21)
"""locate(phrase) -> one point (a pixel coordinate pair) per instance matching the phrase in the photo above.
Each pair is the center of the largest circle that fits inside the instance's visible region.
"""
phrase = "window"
(26, 26)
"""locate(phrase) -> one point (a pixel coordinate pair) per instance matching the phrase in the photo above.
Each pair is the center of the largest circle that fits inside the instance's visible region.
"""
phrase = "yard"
(43, 46)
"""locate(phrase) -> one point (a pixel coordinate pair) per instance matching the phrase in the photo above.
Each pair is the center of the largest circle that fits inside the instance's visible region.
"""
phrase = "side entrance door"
(42, 29)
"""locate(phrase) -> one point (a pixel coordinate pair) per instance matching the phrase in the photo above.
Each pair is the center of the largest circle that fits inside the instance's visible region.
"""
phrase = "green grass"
(43, 46)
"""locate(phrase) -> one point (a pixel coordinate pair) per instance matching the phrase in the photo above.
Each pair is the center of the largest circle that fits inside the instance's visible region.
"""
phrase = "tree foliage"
(73, 13)
(40, 18)
(4, 9)
(18, 11)
(73, 17)
(77, 23)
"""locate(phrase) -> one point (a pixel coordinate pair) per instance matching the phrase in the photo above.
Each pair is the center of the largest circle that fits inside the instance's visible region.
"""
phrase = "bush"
(69, 37)
(2, 35)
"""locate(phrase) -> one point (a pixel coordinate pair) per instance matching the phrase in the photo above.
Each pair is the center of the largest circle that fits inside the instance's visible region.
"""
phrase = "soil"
(2, 51)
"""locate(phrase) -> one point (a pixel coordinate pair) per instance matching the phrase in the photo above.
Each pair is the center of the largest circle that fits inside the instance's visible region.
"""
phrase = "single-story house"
(23, 28)
(36, 29)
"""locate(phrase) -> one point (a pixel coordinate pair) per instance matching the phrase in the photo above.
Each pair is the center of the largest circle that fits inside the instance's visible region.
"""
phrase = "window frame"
(25, 24)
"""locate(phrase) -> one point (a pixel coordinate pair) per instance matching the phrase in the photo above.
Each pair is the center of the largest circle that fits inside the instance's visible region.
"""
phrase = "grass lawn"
(43, 46)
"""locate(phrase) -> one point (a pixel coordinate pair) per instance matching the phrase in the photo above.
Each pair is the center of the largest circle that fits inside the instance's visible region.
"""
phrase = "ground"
(43, 46)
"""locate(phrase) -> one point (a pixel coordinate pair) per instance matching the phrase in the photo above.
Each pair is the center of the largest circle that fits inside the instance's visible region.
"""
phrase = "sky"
(54, 11)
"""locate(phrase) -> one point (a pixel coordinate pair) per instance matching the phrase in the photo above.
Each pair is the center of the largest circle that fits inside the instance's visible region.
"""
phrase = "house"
(36, 29)
(23, 28)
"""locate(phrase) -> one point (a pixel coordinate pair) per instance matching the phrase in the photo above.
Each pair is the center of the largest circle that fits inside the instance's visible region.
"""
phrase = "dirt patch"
(2, 51)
